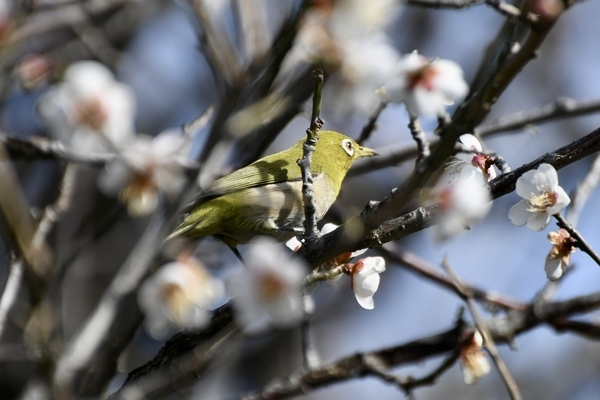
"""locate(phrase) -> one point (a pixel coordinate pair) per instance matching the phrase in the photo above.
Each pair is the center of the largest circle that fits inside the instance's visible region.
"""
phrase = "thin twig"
(581, 242)
(308, 196)
(218, 46)
(97, 43)
(43, 148)
(488, 340)
(318, 275)
(583, 191)
(200, 122)
(422, 145)
(452, 4)
(562, 107)
(371, 124)
(511, 11)
(53, 212)
(254, 25)
(502, 165)
(423, 268)
(14, 206)
(310, 357)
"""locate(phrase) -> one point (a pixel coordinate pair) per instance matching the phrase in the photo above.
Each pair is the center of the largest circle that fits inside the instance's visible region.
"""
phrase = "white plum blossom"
(146, 166)
(542, 198)
(560, 254)
(461, 203)
(474, 363)
(365, 65)
(426, 87)
(364, 279)
(178, 296)
(90, 110)
(269, 291)
(465, 164)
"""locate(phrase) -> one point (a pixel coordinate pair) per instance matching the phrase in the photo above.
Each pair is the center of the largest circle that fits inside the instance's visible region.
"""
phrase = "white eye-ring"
(348, 146)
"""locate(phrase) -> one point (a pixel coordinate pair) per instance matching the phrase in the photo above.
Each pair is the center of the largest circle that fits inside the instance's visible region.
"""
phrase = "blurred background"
(156, 48)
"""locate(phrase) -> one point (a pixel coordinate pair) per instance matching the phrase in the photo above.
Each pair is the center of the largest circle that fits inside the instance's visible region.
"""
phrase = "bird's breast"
(279, 206)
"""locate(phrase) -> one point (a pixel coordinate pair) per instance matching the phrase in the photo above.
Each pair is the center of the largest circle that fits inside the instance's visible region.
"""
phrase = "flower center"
(542, 202)
(422, 77)
(138, 185)
(270, 287)
(176, 300)
(91, 113)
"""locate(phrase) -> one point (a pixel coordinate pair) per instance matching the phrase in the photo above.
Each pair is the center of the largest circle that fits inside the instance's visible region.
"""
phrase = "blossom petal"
(562, 200)
(527, 185)
(471, 142)
(550, 177)
(538, 221)
(366, 286)
(287, 310)
(553, 268)
(518, 213)
(365, 302)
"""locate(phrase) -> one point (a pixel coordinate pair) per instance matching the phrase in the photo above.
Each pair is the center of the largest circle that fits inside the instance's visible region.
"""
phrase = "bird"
(265, 197)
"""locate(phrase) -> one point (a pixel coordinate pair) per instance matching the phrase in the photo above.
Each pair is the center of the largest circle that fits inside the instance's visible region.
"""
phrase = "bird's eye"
(348, 147)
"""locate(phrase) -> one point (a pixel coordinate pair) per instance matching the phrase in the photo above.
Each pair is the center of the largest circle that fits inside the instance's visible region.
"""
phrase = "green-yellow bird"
(265, 198)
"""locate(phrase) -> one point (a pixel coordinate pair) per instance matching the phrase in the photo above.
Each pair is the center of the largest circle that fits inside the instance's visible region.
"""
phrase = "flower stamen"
(542, 202)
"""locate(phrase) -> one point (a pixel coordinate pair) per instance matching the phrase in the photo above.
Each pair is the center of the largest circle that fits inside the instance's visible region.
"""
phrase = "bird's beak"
(366, 152)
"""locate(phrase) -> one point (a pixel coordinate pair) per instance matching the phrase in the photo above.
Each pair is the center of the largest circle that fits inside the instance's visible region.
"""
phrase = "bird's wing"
(275, 168)
(258, 174)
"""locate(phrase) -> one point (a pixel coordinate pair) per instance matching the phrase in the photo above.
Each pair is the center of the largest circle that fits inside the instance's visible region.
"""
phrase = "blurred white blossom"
(473, 360)
(351, 19)
(542, 198)
(269, 291)
(426, 87)
(178, 296)
(146, 166)
(464, 164)
(348, 36)
(560, 254)
(90, 110)
(365, 66)
(461, 203)
(364, 279)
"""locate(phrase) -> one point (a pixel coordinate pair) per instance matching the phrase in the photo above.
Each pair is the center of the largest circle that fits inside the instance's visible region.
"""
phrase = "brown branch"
(422, 145)
(502, 329)
(581, 242)
(562, 107)
(488, 87)
(421, 218)
(488, 341)
(583, 191)
(43, 148)
(441, 4)
(312, 135)
(371, 124)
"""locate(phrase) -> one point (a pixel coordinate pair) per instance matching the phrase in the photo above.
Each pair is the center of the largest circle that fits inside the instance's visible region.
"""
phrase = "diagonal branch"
(490, 84)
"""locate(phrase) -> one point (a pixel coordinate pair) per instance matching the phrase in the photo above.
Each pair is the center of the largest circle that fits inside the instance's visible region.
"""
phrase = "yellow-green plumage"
(265, 198)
